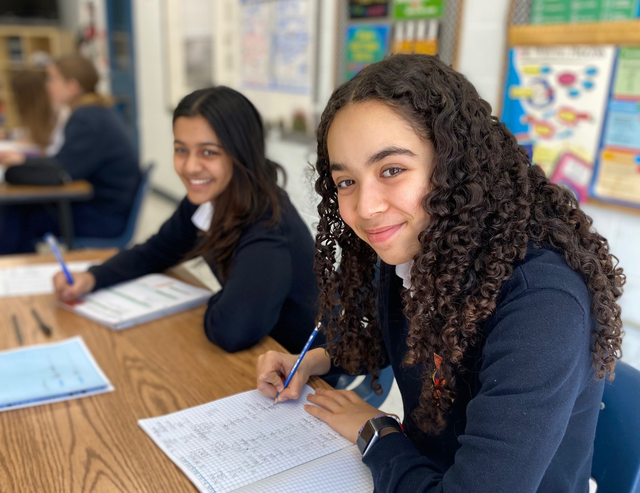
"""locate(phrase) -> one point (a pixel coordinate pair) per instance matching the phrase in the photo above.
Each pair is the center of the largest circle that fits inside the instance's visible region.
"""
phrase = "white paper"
(238, 441)
(35, 279)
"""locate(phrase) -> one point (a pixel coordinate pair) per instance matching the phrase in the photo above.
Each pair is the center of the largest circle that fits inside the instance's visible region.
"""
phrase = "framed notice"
(365, 44)
(555, 99)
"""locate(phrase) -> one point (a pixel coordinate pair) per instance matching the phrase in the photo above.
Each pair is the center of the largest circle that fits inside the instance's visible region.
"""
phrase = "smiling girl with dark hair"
(237, 217)
(496, 300)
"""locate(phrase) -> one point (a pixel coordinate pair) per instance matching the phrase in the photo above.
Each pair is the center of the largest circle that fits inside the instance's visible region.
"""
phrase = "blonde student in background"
(495, 303)
(237, 217)
(94, 147)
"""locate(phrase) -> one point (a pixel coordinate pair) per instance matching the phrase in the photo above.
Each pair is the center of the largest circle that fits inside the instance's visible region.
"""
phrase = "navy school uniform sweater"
(271, 288)
(525, 414)
(97, 149)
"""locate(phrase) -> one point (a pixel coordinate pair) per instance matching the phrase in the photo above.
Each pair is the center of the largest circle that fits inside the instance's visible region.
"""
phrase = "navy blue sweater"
(97, 149)
(271, 288)
(525, 414)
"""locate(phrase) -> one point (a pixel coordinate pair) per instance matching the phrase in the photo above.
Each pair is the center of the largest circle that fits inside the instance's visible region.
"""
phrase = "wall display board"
(277, 45)
(365, 44)
(566, 11)
(359, 9)
(617, 176)
(421, 9)
(555, 98)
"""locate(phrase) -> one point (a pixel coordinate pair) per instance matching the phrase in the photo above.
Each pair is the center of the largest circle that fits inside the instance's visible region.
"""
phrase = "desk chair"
(123, 240)
(616, 456)
(364, 389)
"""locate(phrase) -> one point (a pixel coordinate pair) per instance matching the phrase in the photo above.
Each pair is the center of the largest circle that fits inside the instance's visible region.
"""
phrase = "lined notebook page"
(338, 472)
(226, 444)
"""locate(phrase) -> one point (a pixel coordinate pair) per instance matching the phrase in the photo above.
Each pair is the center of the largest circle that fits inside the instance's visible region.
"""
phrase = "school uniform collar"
(202, 216)
(403, 271)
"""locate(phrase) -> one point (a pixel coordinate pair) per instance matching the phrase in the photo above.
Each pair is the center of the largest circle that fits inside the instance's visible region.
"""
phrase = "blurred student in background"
(237, 217)
(96, 148)
(35, 112)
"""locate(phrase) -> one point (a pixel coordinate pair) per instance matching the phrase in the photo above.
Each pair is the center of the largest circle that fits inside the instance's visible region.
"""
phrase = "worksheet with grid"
(335, 473)
(233, 442)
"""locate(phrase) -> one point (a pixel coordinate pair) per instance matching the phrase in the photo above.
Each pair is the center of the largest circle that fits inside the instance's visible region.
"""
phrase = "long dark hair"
(253, 191)
(486, 204)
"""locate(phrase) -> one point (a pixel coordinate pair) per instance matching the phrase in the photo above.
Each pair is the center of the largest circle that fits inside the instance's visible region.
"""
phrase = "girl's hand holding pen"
(272, 370)
(83, 283)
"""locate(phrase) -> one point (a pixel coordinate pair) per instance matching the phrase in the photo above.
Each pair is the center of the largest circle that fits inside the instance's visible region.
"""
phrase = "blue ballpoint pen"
(295, 367)
(55, 248)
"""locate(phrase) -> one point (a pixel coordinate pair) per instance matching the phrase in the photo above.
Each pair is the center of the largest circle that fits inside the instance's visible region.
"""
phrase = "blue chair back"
(127, 235)
(364, 389)
(616, 456)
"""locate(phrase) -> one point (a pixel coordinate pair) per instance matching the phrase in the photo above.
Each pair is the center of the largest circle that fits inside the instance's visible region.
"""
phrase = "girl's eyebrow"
(176, 141)
(377, 157)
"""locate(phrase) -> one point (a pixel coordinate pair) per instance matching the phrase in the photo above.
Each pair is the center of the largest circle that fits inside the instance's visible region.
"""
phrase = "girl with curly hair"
(481, 283)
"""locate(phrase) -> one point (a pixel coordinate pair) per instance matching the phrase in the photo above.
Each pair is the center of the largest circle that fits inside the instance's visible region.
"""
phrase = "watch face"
(365, 437)
(367, 432)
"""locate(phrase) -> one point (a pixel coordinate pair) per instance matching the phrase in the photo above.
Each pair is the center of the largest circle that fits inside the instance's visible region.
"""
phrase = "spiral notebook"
(245, 443)
(49, 373)
(139, 301)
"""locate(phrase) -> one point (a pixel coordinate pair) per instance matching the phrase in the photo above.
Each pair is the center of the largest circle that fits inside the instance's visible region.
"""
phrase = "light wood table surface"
(94, 444)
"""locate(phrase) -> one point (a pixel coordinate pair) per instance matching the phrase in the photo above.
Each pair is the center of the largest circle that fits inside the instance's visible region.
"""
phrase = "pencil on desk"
(16, 325)
(45, 328)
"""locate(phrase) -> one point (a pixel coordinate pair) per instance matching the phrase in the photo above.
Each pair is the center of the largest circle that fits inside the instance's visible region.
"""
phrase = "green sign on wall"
(418, 9)
(564, 11)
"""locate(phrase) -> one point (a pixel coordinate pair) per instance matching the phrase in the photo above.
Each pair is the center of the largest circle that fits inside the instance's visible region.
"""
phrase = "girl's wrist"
(318, 362)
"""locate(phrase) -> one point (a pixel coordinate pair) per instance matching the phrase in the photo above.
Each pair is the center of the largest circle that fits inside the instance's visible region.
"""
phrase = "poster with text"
(617, 176)
(555, 98)
(359, 9)
(365, 44)
(418, 9)
(277, 47)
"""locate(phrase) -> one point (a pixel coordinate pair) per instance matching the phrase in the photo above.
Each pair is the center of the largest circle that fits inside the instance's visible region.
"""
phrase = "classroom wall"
(481, 56)
(154, 114)
(482, 45)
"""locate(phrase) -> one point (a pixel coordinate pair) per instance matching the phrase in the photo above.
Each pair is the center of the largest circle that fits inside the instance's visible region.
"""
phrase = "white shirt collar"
(403, 271)
(202, 216)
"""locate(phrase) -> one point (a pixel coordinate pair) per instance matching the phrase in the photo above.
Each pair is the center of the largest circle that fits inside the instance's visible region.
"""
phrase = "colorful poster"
(617, 176)
(277, 45)
(627, 79)
(619, 9)
(418, 9)
(368, 8)
(564, 11)
(555, 98)
(365, 44)
(550, 11)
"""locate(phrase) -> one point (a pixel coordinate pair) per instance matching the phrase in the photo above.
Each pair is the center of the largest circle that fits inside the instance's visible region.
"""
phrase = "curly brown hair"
(486, 203)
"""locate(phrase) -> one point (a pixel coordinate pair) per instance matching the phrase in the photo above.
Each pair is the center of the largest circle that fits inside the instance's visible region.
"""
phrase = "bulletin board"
(607, 169)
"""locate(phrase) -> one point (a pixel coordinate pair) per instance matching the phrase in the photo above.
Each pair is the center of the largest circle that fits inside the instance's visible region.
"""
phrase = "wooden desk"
(62, 195)
(95, 443)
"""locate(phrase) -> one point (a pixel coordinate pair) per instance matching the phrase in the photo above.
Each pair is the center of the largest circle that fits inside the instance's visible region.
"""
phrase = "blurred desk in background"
(61, 195)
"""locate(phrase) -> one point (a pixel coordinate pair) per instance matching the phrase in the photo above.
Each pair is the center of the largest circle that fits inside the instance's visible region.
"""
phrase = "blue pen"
(295, 367)
(55, 248)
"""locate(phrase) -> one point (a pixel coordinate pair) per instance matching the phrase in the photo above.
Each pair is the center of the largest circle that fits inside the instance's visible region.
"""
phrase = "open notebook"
(141, 300)
(48, 373)
(245, 443)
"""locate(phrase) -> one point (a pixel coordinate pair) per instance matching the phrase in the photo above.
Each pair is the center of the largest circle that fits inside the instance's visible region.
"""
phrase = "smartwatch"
(370, 433)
